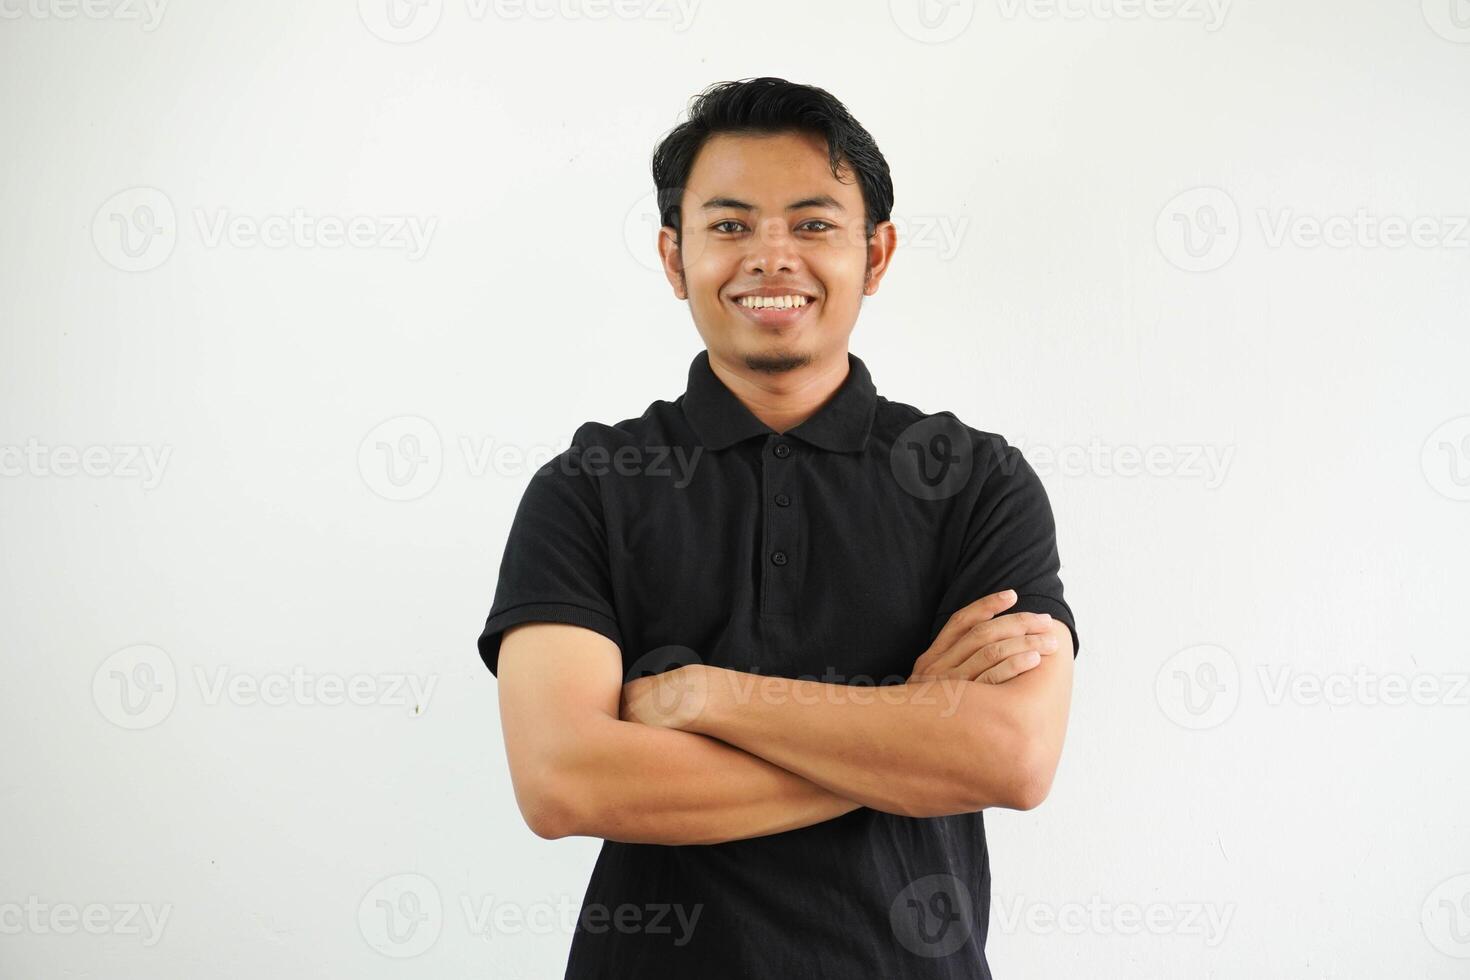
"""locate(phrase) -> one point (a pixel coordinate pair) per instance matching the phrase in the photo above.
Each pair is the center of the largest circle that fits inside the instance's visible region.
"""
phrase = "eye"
(727, 221)
(827, 226)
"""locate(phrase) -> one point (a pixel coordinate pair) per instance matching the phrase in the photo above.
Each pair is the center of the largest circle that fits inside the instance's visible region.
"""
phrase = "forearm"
(630, 782)
(929, 748)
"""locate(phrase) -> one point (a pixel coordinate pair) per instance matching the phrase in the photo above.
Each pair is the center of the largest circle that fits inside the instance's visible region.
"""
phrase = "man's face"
(764, 214)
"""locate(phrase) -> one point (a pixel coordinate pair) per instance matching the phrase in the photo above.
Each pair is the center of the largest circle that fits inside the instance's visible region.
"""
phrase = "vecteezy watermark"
(1210, 13)
(121, 461)
(943, 234)
(1208, 921)
(1200, 687)
(1184, 461)
(1200, 230)
(932, 459)
(35, 917)
(933, 916)
(1446, 917)
(1445, 458)
(1450, 19)
(836, 687)
(148, 14)
(136, 230)
(407, 21)
(932, 21)
(138, 686)
(402, 459)
(1363, 229)
(488, 918)
(1361, 687)
(300, 229)
(298, 686)
(401, 916)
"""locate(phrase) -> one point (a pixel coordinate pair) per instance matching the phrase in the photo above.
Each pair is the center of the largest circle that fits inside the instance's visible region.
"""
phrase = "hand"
(977, 644)
(672, 699)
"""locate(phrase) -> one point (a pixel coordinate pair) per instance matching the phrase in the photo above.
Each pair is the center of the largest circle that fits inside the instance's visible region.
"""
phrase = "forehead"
(769, 170)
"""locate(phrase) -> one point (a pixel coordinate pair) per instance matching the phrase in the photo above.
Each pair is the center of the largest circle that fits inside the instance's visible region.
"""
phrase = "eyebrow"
(819, 201)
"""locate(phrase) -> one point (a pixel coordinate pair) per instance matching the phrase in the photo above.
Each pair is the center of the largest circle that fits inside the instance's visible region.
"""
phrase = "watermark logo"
(402, 458)
(1206, 920)
(932, 21)
(400, 21)
(38, 918)
(298, 686)
(1446, 917)
(135, 229)
(123, 461)
(1445, 459)
(147, 13)
(1198, 687)
(407, 21)
(933, 916)
(408, 233)
(683, 693)
(401, 916)
(1362, 229)
(932, 459)
(1209, 464)
(1210, 13)
(136, 687)
(1450, 19)
(1199, 230)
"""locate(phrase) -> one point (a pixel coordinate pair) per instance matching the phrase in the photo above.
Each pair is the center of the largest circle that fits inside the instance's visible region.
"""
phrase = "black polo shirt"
(834, 551)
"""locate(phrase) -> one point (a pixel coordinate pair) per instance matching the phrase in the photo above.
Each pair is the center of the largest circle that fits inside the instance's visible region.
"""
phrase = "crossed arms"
(703, 754)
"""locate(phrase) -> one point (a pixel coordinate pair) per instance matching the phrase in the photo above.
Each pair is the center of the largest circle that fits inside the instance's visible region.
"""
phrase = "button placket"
(778, 592)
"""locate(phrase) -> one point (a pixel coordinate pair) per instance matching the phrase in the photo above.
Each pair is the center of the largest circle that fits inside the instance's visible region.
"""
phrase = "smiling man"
(784, 684)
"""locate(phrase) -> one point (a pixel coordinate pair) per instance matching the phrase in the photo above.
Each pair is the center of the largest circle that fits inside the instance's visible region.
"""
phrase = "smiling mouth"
(774, 311)
(792, 301)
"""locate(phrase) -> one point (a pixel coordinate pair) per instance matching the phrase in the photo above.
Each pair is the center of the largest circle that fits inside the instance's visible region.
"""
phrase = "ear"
(672, 260)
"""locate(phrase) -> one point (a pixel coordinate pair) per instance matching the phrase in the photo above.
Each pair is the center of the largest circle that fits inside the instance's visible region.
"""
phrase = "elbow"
(1031, 787)
(1033, 773)
(1019, 765)
(547, 808)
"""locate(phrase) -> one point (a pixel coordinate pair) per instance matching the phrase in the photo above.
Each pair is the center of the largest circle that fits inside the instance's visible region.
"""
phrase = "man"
(780, 642)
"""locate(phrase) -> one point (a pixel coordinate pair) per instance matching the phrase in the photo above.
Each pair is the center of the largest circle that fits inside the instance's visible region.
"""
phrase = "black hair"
(771, 105)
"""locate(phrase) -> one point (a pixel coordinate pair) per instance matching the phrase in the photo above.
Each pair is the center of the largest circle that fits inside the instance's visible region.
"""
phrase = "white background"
(1044, 289)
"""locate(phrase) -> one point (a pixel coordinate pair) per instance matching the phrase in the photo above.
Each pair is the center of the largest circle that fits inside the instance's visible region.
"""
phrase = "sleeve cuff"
(549, 612)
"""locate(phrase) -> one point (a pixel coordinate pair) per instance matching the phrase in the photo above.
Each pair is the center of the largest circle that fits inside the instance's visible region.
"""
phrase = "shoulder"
(599, 449)
(906, 431)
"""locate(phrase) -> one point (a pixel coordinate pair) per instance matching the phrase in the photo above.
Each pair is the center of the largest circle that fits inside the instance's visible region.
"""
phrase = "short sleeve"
(555, 567)
(1010, 543)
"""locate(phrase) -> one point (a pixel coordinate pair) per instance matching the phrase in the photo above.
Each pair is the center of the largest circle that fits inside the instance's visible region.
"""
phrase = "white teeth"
(772, 302)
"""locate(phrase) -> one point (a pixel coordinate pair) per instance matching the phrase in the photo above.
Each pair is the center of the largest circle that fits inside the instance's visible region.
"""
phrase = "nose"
(772, 249)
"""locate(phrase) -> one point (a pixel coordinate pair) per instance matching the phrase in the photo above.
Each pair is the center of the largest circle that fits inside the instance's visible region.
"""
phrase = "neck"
(785, 399)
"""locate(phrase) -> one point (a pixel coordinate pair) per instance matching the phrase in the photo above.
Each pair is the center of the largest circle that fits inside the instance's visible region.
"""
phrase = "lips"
(774, 316)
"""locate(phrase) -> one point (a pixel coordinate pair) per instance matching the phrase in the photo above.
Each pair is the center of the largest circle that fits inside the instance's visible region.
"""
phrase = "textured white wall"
(1256, 441)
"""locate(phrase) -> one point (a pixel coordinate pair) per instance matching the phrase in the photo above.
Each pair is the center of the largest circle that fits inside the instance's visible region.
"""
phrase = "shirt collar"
(721, 420)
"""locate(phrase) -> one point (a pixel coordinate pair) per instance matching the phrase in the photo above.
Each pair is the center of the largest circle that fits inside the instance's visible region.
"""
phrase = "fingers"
(981, 635)
(1002, 658)
(979, 611)
(995, 662)
(1010, 667)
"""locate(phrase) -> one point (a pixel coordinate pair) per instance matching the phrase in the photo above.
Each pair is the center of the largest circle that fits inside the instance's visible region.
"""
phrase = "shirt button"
(778, 557)
(782, 450)
(782, 500)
